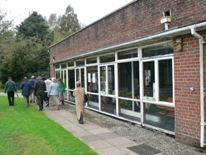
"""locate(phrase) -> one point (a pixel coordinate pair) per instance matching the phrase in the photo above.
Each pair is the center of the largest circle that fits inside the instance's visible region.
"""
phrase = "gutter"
(202, 93)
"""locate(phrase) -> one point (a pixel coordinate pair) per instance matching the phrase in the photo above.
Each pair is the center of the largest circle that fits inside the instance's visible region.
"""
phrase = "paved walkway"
(101, 140)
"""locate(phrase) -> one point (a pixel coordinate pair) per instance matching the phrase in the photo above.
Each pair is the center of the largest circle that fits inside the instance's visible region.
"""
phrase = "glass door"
(80, 76)
(107, 88)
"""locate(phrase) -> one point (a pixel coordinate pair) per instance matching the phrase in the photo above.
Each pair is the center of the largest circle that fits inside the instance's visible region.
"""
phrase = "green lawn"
(26, 131)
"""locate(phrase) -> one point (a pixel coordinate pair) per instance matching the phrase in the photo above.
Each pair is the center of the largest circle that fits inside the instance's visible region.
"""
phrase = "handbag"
(85, 98)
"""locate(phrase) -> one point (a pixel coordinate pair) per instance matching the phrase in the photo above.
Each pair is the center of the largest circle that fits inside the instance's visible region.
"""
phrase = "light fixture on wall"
(54, 58)
(166, 19)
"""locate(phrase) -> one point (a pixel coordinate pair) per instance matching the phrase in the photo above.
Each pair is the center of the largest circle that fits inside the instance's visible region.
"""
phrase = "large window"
(128, 74)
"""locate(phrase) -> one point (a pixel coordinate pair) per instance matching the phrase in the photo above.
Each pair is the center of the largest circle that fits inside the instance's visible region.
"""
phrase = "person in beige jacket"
(79, 101)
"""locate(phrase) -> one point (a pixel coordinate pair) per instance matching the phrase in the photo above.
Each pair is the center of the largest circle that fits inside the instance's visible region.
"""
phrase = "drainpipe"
(202, 122)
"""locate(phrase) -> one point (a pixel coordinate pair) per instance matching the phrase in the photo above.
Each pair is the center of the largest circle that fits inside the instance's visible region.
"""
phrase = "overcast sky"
(87, 11)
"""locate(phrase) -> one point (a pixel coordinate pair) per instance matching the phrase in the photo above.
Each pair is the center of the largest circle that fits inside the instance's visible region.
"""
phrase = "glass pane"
(129, 109)
(128, 74)
(102, 79)
(157, 50)
(160, 116)
(71, 82)
(165, 81)
(108, 104)
(77, 75)
(92, 79)
(63, 65)
(93, 101)
(82, 78)
(80, 63)
(149, 80)
(107, 58)
(64, 79)
(127, 54)
(111, 79)
(125, 79)
(57, 66)
(91, 60)
(57, 74)
(136, 80)
(70, 64)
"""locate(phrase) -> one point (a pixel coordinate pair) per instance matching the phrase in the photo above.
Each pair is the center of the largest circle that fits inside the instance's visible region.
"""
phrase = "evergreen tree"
(35, 26)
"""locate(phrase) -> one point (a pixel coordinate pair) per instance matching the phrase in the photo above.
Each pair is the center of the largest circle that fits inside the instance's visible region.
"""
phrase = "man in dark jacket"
(26, 89)
(10, 89)
(39, 91)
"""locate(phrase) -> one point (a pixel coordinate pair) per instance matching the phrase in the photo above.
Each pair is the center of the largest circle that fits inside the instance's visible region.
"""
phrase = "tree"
(64, 25)
(6, 39)
(69, 22)
(35, 26)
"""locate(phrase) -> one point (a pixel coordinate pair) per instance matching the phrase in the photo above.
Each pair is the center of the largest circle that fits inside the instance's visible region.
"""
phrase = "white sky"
(87, 11)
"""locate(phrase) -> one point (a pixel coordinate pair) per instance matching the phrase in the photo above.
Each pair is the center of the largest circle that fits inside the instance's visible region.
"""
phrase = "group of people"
(45, 90)
(37, 90)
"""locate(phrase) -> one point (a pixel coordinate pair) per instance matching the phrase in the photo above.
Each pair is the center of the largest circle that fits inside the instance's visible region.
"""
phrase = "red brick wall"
(139, 19)
(187, 103)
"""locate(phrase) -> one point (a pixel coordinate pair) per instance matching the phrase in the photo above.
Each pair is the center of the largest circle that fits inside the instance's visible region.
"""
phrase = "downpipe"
(201, 59)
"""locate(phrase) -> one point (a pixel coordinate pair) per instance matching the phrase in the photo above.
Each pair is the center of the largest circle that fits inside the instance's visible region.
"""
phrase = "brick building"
(143, 63)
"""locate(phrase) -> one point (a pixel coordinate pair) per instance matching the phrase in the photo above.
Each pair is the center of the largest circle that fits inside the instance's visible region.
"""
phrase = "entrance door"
(107, 88)
(80, 76)
(107, 80)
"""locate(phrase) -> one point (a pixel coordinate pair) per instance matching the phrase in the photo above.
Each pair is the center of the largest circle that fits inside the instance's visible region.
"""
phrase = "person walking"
(79, 101)
(32, 95)
(61, 90)
(39, 91)
(46, 98)
(26, 89)
(53, 94)
(10, 88)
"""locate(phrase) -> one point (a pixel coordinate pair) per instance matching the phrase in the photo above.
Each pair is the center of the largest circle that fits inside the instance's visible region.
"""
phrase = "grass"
(26, 131)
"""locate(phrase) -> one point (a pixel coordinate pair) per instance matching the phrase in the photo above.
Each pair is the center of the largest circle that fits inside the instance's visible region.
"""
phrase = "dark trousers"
(46, 98)
(10, 96)
(40, 99)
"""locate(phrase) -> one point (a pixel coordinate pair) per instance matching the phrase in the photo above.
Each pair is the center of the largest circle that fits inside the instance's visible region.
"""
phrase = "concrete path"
(101, 140)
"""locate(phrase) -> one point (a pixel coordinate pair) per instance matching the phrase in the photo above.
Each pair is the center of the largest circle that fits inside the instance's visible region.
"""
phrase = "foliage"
(35, 26)
(27, 131)
(64, 25)
(26, 53)
(6, 40)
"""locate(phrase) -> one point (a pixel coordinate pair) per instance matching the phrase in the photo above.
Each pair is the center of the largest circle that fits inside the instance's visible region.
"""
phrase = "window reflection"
(92, 79)
(129, 80)
(160, 116)
(165, 80)
(108, 104)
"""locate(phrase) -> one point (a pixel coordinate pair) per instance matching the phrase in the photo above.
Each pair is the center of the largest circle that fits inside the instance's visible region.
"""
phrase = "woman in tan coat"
(79, 101)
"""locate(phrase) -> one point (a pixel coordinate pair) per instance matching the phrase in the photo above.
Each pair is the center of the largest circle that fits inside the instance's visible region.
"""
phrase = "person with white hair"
(53, 94)
(32, 95)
